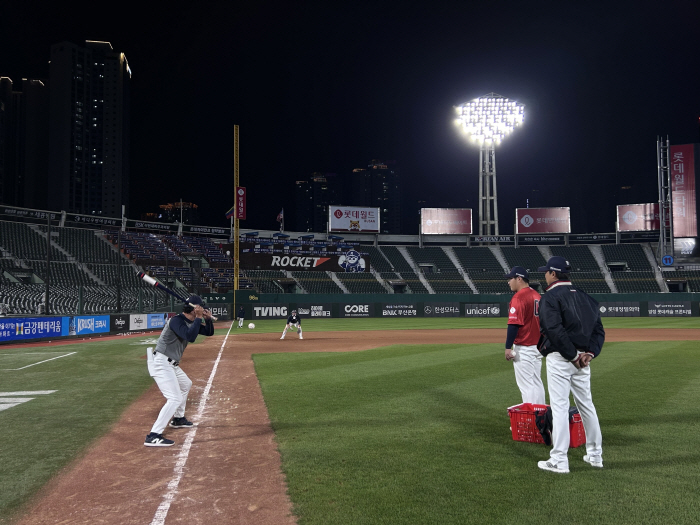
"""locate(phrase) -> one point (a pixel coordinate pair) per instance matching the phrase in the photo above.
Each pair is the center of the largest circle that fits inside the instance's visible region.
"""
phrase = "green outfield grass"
(389, 424)
(420, 435)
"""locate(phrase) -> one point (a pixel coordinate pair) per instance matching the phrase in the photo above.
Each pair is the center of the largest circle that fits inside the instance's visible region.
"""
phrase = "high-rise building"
(379, 186)
(24, 142)
(89, 129)
(325, 189)
(304, 206)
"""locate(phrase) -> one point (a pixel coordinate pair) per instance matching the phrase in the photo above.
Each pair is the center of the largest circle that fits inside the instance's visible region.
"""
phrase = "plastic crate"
(523, 428)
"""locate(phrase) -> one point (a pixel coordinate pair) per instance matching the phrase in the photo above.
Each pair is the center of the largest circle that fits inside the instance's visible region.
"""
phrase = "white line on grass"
(44, 361)
(162, 512)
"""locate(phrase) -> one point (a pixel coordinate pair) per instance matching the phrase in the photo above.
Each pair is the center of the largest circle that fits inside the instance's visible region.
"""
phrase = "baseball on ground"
(251, 326)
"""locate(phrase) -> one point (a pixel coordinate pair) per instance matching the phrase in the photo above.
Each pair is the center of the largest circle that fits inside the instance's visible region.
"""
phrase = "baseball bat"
(150, 280)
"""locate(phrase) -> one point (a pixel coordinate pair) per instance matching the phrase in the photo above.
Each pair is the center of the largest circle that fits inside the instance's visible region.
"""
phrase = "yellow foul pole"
(236, 234)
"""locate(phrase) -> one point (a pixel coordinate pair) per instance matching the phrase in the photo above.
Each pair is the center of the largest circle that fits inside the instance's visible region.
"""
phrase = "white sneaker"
(593, 461)
(552, 467)
(282, 337)
(300, 337)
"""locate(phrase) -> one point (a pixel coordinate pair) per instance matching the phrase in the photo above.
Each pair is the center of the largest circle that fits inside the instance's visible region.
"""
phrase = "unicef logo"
(429, 222)
(527, 221)
(496, 310)
(630, 217)
(603, 309)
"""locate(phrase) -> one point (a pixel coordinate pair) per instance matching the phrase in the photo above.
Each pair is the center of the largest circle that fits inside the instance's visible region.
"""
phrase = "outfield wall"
(278, 306)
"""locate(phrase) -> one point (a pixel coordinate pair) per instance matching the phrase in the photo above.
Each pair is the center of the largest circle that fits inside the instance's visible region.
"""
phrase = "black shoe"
(157, 440)
(181, 422)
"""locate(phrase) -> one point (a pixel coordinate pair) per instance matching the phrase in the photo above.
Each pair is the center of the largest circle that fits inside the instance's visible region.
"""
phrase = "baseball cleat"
(181, 422)
(593, 461)
(300, 337)
(552, 467)
(157, 440)
(281, 337)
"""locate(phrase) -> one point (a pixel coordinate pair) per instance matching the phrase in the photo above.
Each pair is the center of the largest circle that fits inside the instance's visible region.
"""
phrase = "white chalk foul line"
(44, 361)
(164, 507)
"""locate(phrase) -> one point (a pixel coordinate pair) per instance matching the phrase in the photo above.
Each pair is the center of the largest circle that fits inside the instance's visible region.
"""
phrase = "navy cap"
(556, 264)
(518, 271)
(194, 300)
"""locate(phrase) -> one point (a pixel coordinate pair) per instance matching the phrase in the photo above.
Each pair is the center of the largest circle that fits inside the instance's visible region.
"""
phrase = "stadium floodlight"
(487, 121)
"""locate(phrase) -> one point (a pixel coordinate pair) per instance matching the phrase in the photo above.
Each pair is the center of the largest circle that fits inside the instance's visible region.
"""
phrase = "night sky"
(327, 87)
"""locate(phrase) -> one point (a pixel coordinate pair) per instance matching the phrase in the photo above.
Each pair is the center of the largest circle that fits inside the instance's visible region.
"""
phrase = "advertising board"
(441, 310)
(353, 219)
(356, 310)
(619, 309)
(314, 309)
(542, 220)
(222, 311)
(119, 323)
(156, 320)
(482, 310)
(270, 311)
(138, 322)
(349, 261)
(446, 221)
(20, 328)
(685, 220)
(402, 309)
(669, 309)
(85, 324)
(638, 217)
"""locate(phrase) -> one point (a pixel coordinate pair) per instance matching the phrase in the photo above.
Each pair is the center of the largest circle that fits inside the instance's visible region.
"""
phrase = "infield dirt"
(233, 472)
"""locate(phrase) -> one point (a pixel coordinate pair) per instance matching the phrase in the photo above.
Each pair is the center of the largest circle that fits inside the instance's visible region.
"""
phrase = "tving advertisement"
(270, 311)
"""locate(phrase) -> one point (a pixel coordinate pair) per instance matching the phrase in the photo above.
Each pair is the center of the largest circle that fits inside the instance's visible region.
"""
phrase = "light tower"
(487, 120)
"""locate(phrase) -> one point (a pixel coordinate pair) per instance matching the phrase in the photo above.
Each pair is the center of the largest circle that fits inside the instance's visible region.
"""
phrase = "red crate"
(523, 428)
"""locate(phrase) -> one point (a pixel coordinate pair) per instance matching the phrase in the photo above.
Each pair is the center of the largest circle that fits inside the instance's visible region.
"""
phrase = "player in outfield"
(164, 366)
(571, 336)
(293, 321)
(522, 336)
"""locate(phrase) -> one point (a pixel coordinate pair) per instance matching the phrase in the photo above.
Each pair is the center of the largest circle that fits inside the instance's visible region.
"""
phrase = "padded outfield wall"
(278, 306)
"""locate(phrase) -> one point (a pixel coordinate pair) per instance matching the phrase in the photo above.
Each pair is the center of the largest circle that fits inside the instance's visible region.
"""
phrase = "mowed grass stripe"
(419, 434)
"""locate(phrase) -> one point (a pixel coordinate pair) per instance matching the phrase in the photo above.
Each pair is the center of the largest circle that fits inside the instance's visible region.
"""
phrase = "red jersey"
(524, 310)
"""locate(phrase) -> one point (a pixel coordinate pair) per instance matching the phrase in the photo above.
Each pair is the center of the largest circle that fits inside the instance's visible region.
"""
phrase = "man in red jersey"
(523, 335)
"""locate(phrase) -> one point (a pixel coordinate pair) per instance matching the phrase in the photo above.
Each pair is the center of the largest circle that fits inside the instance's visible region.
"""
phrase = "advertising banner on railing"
(349, 261)
(685, 221)
(85, 324)
(357, 309)
(669, 309)
(542, 220)
(482, 310)
(20, 328)
(119, 323)
(446, 221)
(638, 217)
(138, 322)
(450, 309)
(270, 311)
(399, 309)
(353, 219)
(157, 320)
(314, 309)
(619, 309)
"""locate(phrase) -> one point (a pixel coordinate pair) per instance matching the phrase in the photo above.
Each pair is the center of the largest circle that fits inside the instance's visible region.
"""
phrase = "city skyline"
(324, 89)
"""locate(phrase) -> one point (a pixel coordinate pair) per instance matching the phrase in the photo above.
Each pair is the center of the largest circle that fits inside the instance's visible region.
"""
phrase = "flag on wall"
(280, 216)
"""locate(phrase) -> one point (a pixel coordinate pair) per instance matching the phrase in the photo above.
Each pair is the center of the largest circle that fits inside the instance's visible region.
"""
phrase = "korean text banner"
(18, 328)
(638, 217)
(542, 220)
(240, 203)
(685, 222)
(353, 219)
(447, 221)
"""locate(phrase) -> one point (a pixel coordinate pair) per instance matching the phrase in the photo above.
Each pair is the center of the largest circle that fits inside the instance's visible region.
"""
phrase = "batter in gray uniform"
(164, 366)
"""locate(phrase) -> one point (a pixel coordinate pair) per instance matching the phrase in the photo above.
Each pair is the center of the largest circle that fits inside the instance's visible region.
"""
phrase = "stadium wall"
(278, 306)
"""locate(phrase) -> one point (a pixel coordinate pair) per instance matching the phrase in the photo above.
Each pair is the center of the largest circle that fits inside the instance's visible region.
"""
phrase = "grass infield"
(410, 434)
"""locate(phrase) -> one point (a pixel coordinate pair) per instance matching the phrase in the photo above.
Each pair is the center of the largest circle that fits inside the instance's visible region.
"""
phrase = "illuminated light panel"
(489, 119)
